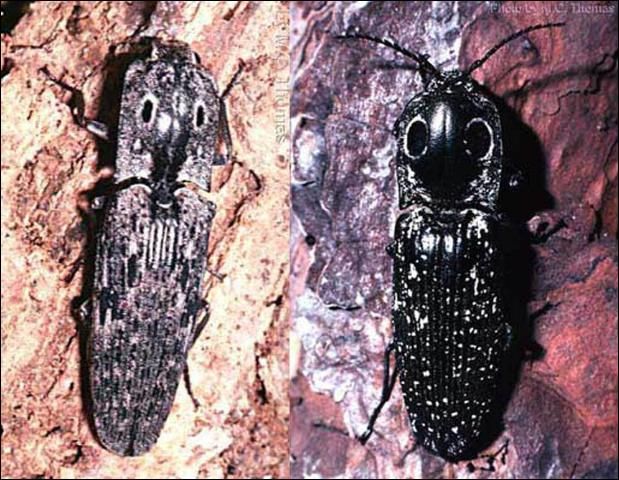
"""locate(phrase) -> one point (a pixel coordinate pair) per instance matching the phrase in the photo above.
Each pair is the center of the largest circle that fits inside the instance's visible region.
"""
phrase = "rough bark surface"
(560, 88)
(238, 366)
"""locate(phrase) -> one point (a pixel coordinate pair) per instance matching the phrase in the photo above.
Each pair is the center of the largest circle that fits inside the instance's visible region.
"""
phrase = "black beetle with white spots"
(452, 334)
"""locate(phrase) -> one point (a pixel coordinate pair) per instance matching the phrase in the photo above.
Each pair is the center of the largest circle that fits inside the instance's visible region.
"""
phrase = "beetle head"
(170, 113)
(449, 145)
(449, 136)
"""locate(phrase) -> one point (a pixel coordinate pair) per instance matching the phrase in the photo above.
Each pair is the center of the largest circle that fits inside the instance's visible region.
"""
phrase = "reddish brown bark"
(560, 88)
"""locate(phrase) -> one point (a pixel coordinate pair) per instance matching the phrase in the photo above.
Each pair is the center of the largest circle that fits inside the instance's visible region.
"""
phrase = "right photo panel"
(453, 240)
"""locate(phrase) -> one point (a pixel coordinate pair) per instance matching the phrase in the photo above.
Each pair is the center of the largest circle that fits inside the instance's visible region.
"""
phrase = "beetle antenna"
(421, 60)
(478, 63)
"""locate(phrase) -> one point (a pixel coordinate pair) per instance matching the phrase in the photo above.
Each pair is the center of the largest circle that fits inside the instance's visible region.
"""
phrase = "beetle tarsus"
(388, 384)
(204, 315)
(187, 381)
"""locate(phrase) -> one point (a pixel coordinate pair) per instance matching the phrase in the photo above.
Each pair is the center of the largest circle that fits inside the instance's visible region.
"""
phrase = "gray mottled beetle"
(452, 334)
(146, 308)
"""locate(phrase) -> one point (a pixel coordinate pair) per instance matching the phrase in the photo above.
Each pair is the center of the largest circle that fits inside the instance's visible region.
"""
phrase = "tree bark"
(559, 90)
(238, 366)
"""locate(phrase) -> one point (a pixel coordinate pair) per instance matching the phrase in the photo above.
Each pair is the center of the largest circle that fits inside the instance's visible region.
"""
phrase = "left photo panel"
(145, 230)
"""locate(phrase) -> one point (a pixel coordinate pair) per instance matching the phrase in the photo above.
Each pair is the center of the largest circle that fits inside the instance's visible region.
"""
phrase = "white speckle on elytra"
(473, 272)
(426, 373)
(476, 286)
(454, 429)
(449, 244)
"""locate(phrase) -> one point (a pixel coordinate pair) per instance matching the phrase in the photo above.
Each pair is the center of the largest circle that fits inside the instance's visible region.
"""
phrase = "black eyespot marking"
(477, 139)
(147, 110)
(200, 116)
(416, 138)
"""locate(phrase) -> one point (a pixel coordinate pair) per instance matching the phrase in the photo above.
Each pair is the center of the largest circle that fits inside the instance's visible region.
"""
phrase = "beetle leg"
(82, 312)
(224, 148)
(187, 381)
(234, 80)
(491, 459)
(203, 316)
(75, 266)
(217, 275)
(513, 178)
(98, 129)
(388, 384)
(77, 105)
